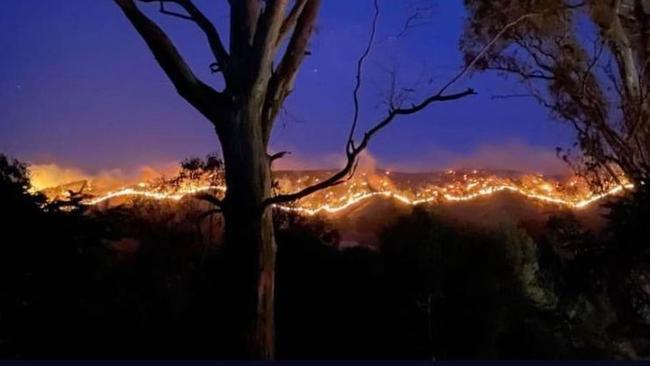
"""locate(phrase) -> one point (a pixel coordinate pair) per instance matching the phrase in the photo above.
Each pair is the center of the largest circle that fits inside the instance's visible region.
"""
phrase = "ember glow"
(409, 189)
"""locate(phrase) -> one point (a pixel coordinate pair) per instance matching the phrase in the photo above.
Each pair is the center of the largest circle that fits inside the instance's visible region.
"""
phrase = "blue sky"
(78, 87)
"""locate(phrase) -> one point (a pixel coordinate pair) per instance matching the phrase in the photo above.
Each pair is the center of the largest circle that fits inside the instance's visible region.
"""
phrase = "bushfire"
(407, 188)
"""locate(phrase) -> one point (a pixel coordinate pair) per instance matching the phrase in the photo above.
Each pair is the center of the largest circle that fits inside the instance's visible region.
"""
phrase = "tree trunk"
(251, 248)
(250, 245)
(252, 84)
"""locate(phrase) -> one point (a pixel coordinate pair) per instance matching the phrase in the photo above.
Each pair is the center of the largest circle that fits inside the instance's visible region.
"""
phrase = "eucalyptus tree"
(268, 42)
(587, 61)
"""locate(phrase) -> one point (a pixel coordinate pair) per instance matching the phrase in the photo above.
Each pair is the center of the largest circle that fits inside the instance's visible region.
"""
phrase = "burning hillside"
(407, 188)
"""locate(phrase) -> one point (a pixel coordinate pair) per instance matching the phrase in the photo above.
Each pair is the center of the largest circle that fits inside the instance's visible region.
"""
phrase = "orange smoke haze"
(511, 155)
(369, 181)
(50, 175)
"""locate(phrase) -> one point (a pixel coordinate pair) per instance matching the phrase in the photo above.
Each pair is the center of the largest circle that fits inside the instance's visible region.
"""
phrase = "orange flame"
(460, 186)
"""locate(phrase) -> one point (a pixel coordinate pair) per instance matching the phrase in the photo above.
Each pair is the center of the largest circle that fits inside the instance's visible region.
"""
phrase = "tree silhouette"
(587, 62)
(267, 45)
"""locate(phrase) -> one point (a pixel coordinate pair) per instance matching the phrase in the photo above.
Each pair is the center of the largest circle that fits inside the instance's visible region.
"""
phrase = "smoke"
(51, 175)
(296, 162)
(512, 156)
(369, 170)
(367, 163)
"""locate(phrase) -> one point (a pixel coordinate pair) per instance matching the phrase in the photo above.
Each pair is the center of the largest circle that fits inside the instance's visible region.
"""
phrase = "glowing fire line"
(359, 197)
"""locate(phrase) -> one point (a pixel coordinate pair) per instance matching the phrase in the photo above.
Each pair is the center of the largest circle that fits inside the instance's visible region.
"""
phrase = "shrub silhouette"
(145, 280)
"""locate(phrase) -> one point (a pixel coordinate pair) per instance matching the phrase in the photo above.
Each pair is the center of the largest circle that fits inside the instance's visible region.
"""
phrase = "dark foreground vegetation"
(144, 282)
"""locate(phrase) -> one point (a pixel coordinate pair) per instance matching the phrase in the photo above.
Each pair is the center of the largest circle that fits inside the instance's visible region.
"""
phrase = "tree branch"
(485, 48)
(360, 62)
(353, 151)
(198, 94)
(524, 75)
(278, 155)
(283, 77)
(266, 37)
(210, 31)
(419, 13)
(168, 12)
(244, 15)
(290, 21)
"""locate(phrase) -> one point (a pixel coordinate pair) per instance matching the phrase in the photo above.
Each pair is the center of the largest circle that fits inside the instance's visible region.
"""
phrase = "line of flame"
(357, 198)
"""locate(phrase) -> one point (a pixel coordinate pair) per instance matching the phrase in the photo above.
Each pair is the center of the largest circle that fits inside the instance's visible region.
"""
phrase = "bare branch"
(524, 75)
(283, 77)
(360, 62)
(290, 21)
(266, 35)
(163, 10)
(485, 48)
(197, 93)
(353, 151)
(195, 15)
(278, 155)
(244, 16)
(416, 19)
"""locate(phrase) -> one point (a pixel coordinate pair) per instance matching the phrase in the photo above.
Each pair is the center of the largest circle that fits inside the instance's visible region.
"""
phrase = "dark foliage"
(47, 261)
(146, 281)
(463, 288)
(628, 252)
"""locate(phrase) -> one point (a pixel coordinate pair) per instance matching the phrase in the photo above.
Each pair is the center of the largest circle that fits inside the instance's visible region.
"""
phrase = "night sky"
(78, 87)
